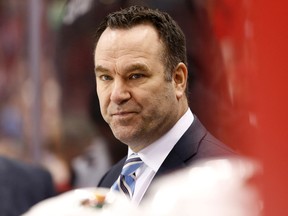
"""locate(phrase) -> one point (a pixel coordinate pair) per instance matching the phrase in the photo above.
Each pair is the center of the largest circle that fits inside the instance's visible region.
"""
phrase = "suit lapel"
(110, 177)
(184, 150)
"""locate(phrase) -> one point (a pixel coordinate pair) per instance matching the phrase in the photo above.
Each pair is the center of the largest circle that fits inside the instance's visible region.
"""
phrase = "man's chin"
(128, 136)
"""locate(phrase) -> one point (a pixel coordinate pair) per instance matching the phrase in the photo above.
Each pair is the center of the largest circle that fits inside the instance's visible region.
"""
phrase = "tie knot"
(131, 165)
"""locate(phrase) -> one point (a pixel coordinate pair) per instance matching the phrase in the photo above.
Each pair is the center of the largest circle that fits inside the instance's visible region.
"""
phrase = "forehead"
(141, 37)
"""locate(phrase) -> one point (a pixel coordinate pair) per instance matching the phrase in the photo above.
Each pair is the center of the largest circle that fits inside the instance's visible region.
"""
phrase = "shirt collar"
(154, 154)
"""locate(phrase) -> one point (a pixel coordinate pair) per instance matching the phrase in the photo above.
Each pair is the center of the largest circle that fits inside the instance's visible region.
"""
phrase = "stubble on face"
(149, 123)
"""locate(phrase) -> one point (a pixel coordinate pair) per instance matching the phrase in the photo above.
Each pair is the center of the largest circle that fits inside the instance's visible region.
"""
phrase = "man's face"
(135, 99)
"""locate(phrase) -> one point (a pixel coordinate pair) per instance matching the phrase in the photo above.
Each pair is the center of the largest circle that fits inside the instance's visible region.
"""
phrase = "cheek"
(160, 100)
(103, 101)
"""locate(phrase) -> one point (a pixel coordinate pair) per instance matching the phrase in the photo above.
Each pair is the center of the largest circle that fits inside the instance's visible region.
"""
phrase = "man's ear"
(180, 77)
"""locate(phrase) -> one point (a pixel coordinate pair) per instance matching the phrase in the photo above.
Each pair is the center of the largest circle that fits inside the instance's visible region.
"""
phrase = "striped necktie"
(126, 181)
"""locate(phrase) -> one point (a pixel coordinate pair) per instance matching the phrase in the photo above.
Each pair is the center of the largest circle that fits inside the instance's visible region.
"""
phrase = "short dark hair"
(168, 30)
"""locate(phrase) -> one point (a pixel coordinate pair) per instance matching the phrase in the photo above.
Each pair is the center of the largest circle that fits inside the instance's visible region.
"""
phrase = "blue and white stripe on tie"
(126, 181)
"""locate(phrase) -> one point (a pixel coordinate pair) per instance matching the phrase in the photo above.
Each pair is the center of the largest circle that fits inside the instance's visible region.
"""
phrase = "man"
(141, 77)
(22, 186)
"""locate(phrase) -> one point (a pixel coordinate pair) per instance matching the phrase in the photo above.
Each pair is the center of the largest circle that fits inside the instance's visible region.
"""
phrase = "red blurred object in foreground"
(254, 41)
(271, 101)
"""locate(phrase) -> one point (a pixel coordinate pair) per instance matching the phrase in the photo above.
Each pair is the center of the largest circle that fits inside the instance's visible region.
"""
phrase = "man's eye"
(105, 77)
(136, 76)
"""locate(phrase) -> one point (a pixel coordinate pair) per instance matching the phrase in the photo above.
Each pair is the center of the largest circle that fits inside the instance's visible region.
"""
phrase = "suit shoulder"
(212, 147)
(17, 167)
(23, 183)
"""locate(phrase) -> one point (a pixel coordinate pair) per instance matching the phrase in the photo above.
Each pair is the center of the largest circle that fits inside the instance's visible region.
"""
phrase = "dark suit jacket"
(195, 144)
(22, 186)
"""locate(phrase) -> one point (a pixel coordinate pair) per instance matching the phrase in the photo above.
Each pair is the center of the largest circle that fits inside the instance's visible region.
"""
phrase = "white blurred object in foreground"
(217, 187)
(210, 188)
(83, 202)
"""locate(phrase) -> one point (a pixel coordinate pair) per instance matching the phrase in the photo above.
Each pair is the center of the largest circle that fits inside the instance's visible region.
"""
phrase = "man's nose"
(120, 92)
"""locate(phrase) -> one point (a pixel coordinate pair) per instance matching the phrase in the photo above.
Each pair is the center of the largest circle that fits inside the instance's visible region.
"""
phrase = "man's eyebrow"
(100, 68)
(135, 67)
(129, 68)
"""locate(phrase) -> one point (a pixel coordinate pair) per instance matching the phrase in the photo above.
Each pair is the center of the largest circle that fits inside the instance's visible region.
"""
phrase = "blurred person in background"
(76, 137)
(141, 78)
(22, 186)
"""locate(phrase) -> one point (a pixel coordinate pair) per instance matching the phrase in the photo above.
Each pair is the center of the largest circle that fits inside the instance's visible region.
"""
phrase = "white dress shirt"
(154, 155)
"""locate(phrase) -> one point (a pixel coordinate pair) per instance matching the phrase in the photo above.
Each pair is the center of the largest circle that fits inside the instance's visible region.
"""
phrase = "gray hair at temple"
(168, 30)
